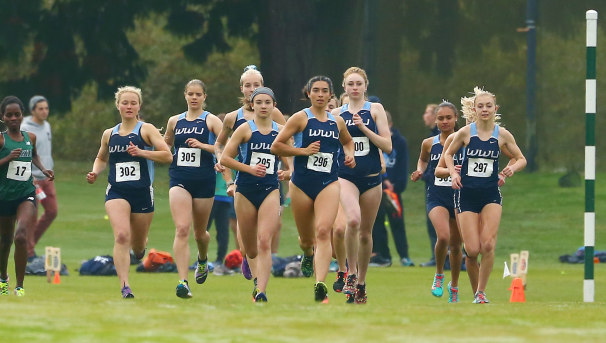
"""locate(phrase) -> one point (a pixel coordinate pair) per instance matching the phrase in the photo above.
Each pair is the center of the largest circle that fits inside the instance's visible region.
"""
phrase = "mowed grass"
(538, 216)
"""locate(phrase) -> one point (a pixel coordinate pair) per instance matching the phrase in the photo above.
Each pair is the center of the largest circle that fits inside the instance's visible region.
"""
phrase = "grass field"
(538, 216)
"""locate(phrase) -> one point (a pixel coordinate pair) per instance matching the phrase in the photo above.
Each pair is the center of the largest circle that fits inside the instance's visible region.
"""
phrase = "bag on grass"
(36, 267)
(156, 261)
(98, 265)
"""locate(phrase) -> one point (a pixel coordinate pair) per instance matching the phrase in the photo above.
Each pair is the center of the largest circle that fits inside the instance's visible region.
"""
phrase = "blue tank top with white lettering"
(481, 161)
(368, 159)
(324, 163)
(440, 187)
(257, 151)
(126, 171)
(192, 163)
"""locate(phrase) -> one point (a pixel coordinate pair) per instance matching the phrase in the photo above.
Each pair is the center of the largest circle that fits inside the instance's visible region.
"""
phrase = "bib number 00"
(479, 167)
(361, 146)
(128, 171)
(19, 170)
(268, 160)
(189, 157)
(320, 162)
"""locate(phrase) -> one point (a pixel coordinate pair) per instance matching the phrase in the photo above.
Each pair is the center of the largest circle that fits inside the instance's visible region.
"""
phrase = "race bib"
(19, 170)
(320, 161)
(479, 167)
(268, 160)
(443, 182)
(361, 146)
(189, 157)
(128, 171)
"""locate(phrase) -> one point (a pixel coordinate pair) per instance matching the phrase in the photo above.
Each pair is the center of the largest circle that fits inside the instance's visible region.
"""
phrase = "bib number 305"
(189, 157)
(479, 167)
(320, 161)
(128, 171)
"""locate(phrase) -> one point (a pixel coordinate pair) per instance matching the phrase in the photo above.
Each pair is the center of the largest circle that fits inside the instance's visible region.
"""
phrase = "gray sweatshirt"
(43, 144)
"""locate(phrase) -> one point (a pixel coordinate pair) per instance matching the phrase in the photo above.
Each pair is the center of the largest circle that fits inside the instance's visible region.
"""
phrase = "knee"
(264, 243)
(20, 236)
(442, 238)
(52, 214)
(122, 237)
(182, 231)
(353, 223)
(487, 247)
(339, 232)
(472, 252)
(455, 249)
(365, 237)
(323, 233)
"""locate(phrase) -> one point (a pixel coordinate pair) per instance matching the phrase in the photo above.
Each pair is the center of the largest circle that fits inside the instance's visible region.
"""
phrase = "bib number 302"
(128, 171)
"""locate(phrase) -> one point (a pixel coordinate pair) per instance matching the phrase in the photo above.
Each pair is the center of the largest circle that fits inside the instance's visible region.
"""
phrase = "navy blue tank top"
(368, 160)
(192, 163)
(481, 161)
(441, 187)
(126, 171)
(257, 151)
(324, 163)
(239, 119)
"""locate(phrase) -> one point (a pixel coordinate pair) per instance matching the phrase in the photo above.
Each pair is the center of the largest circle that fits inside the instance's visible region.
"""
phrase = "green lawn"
(538, 216)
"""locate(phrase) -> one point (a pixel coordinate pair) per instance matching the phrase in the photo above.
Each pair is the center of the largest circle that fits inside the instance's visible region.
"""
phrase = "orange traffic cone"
(517, 291)
(56, 279)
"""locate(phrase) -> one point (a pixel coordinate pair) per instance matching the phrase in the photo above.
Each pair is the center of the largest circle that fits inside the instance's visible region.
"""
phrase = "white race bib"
(443, 182)
(128, 171)
(188, 157)
(361, 146)
(268, 160)
(19, 170)
(320, 161)
(479, 167)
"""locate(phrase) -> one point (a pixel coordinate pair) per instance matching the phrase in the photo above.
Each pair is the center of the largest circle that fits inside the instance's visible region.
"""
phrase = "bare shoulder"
(375, 106)
(336, 111)
(505, 133)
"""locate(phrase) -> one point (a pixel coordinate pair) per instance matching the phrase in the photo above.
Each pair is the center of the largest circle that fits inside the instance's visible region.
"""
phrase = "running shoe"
(321, 292)
(437, 286)
(4, 287)
(453, 293)
(19, 291)
(406, 262)
(246, 269)
(307, 265)
(339, 283)
(202, 271)
(350, 299)
(350, 285)
(360, 296)
(183, 290)
(220, 269)
(379, 261)
(256, 290)
(127, 293)
(480, 298)
(140, 256)
(430, 263)
(261, 298)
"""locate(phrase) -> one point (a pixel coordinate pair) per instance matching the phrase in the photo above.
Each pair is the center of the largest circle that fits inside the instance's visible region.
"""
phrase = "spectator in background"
(220, 213)
(429, 118)
(394, 182)
(45, 188)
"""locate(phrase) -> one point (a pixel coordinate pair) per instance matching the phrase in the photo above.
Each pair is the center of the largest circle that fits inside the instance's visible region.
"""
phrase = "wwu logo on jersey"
(435, 157)
(350, 122)
(260, 146)
(322, 133)
(118, 148)
(483, 153)
(189, 130)
(26, 153)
